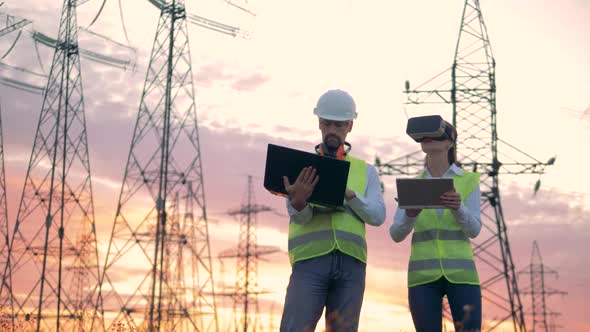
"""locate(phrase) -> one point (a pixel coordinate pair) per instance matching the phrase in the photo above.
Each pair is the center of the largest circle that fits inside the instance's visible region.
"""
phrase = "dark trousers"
(335, 281)
(426, 305)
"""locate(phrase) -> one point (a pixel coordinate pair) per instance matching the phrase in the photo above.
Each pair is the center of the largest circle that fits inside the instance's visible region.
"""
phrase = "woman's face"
(432, 146)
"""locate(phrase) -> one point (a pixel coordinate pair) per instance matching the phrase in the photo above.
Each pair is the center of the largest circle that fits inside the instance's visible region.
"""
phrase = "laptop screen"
(333, 173)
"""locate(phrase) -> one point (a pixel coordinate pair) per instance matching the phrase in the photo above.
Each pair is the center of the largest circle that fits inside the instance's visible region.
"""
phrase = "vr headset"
(430, 126)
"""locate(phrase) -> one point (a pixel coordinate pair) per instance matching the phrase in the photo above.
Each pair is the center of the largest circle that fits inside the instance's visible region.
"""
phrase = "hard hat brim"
(333, 117)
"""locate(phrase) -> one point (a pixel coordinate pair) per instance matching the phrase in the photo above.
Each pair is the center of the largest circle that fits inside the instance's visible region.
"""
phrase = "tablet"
(282, 161)
(419, 193)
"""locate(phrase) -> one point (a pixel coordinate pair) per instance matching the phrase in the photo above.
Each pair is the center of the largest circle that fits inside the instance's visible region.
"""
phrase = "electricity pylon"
(472, 93)
(182, 232)
(5, 301)
(245, 307)
(164, 159)
(542, 317)
(52, 256)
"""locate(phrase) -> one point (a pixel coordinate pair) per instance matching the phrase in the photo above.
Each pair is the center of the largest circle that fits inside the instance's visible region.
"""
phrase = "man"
(327, 247)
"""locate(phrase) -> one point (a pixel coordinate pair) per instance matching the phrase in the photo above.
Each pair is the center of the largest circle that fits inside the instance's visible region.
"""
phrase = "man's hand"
(300, 191)
(451, 199)
(349, 194)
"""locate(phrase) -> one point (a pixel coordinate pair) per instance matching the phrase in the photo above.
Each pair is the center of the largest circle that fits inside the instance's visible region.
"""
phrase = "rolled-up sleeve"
(299, 217)
(402, 225)
(370, 207)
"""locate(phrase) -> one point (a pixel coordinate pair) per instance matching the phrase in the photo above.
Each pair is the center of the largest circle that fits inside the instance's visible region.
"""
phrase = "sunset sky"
(260, 90)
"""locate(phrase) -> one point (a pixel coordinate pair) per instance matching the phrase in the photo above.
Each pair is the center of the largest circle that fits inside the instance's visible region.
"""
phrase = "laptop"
(282, 161)
(417, 193)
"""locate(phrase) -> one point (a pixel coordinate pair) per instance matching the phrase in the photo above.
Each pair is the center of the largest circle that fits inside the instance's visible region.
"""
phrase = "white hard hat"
(336, 105)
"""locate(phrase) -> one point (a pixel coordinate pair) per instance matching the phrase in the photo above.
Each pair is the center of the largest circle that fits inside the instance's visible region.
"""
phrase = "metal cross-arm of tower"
(125, 63)
(253, 208)
(160, 4)
(12, 23)
(91, 55)
(412, 164)
(259, 252)
(213, 25)
(423, 95)
(200, 20)
(17, 84)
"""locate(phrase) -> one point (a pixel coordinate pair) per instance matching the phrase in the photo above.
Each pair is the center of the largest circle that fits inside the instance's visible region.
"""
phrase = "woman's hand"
(451, 200)
(412, 213)
(300, 191)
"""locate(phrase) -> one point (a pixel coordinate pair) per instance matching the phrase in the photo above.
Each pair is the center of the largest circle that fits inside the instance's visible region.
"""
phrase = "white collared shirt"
(467, 216)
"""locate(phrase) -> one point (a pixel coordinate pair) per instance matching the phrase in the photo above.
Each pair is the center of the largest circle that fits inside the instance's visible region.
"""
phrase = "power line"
(13, 23)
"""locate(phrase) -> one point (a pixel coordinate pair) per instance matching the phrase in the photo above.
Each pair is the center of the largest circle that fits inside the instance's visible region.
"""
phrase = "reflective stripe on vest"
(327, 235)
(443, 234)
(340, 229)
(429, 264)
(439, 246)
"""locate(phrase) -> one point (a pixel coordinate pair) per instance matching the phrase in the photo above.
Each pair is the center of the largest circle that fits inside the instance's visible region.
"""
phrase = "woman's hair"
(452, 154)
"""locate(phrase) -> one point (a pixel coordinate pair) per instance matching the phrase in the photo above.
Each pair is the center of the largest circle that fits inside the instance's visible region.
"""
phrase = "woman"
(441, 262)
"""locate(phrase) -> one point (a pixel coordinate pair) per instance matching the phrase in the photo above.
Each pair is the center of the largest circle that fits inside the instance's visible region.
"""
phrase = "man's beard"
(332, 145)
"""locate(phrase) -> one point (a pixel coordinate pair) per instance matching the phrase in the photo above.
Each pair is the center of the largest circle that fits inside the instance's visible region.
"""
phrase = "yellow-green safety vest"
(439, 246)
(332, 230)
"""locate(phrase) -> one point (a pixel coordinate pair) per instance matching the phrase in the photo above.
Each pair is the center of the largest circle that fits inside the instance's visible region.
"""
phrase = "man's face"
(334, 132)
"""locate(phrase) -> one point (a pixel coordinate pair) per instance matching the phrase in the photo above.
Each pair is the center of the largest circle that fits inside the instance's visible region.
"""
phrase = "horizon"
(251, 92)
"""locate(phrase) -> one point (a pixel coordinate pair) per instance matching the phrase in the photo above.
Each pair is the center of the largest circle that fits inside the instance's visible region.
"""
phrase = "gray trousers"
(335, 281)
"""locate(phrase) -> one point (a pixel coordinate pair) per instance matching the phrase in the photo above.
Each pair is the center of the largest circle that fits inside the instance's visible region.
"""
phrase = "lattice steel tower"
(11, 24)
(542, 318)
(5, 300)
(245, 307)
(183, 230)
(472, 93)
(164, 160)
(53, 259)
